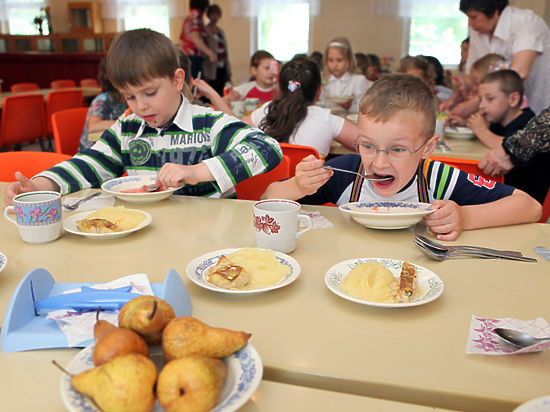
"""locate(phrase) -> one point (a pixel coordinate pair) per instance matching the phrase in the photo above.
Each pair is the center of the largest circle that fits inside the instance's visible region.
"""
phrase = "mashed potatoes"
(110, 219)
(370, 281)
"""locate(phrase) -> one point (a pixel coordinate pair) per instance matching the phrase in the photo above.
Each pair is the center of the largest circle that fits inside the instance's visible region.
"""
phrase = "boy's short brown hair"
(140, 55)
(508, 82)
(393, 93)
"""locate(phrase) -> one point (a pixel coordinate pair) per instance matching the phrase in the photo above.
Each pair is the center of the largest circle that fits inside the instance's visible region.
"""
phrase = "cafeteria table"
(87, 92)
(307, 336)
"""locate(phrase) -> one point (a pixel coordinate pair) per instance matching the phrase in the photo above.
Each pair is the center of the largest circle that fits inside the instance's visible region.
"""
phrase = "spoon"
(517, 338)
(372, 178)
(75, 205)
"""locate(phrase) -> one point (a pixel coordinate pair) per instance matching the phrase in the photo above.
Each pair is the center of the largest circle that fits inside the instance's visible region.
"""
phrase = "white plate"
(354, 117)
(386, 214)
(339, 99)
(244, 373)
(459, 132)
(69, 224)
(114, 187)
(535, 405)
(3, 261)
(198, 267)
(430, 284)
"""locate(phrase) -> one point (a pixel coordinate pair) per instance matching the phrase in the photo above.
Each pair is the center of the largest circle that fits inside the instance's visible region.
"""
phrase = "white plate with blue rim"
(535, 405)
(3, 261)
(244, 373)
(429, 284)
(386, 214)
(197, 271)
(70, 224)
(119, 185)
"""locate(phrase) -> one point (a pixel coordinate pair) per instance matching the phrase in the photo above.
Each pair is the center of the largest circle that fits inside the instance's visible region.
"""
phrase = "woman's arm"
(522, 62)
(97, 124)
(348, 135)
(196, 38)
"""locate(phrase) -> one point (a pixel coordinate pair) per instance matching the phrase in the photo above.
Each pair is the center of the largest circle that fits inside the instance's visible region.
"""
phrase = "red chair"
(296, 153)
(545, 209)
(62, 84)
(468, 165)
(58, 100)
(254, 187)
(24, 87)
(89, 83)
(27, 162)
(23, 120)
(67, 129)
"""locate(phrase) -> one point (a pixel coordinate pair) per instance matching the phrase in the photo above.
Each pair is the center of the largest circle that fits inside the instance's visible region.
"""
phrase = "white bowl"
(386, 214)
(459, 132)
(115, 186)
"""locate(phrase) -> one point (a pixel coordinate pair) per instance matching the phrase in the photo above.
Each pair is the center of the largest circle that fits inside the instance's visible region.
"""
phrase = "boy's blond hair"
(140, 55)
(344, 45)
(420, 63)
(489, 63)
(393, 93)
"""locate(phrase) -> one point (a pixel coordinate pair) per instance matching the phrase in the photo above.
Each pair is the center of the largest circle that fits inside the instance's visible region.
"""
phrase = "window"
(20, 15)
(148, 16)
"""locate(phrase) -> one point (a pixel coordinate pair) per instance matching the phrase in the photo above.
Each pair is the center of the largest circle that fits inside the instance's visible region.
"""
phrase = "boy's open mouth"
(384, 183)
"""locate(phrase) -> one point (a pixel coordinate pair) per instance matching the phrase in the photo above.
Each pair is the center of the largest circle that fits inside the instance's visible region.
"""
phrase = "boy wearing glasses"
(395, 138)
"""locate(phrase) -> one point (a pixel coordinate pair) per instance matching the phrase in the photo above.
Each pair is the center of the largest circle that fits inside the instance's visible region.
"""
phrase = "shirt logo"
(140, 151)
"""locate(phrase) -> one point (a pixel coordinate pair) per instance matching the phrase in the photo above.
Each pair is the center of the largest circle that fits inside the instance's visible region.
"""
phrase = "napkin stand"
(23, 330)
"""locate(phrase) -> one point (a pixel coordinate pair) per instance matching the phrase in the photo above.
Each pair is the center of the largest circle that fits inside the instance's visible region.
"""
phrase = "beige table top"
(86, 92)
(305, 334)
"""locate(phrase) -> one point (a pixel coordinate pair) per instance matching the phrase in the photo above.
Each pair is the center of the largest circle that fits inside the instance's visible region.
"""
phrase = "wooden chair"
(23, 120)
(296, 153)
(23, 87)
(468, 165)
(89, 83)
(58, 100)
(62, 84)
(27, 162)
(254, 187)
(67, 129)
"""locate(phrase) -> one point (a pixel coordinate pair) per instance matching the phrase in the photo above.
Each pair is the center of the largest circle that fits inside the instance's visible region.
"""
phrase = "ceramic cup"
(37, 215)
(276, 224)
(238, 108)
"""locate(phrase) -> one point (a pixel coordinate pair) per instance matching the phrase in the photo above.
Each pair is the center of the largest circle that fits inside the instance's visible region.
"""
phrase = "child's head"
(395, 129)
(486, 64)
(418, 66)
(185, 65)
(264, 69)
(214, 13)
(105, 83)
(339, 58)
(143, 65)
(200, 5)
(317, 57)
(501, 94)
(374, 67)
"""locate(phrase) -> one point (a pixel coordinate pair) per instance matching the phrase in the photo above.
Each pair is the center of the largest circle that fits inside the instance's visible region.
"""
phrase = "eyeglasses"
(395, 153)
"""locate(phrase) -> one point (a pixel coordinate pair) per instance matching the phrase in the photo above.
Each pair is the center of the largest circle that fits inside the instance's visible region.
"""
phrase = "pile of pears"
(125, 378)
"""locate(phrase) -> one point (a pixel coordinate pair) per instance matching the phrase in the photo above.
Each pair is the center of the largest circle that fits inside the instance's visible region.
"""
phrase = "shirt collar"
(346, 76)
(183, 119)
(504, 25)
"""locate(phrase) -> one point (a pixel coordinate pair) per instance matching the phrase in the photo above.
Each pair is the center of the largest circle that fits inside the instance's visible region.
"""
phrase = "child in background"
(343, 79)
(317, 57)
(264, 70)
(164, 135)
(420, 67)
(440, 82)
(293, 117)
(374, 67)
(395, 139)
(104, 109)
(500, 116)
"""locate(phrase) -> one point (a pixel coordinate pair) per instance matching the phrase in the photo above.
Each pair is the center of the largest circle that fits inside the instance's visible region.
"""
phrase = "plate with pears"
(161, 363)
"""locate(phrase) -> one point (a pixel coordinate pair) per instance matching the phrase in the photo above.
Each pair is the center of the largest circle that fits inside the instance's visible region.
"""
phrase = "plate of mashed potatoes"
(244, 271)
(382, 282)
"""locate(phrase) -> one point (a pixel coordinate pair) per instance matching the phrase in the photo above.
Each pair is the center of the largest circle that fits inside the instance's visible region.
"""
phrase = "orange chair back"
(296, 153)
(62, 84)
(468, 165)
(27, 162)
(254, 187)
(58, 100)
(67, 129)
(89, 83)
(23, 87)
(23, 119)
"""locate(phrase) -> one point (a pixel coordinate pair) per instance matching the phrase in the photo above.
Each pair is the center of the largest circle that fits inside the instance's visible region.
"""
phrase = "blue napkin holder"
(23, 330)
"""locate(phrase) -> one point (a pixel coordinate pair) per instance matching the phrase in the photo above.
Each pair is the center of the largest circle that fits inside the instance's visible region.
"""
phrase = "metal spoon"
(437, 254)
(372, 178)
(517, 338)
(444, 248)
(75, 205)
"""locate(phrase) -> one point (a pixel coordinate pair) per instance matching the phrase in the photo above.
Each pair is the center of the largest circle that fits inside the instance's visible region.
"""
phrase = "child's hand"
(203, 88)
(455, 120)
(233, 95)
(347, 104)
(310, 175)
(21, 185)
(173, 175)
(477, 123)
(446, 221)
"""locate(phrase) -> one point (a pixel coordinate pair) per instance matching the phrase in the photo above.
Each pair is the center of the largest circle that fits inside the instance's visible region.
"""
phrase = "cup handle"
(7, 216)
(308, 226)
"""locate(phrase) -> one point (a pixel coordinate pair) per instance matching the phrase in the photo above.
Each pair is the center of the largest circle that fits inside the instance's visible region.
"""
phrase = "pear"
(189, 336)
(123, 384)
(101, 327)
(117, 342)
(146, 315)
(192, 383)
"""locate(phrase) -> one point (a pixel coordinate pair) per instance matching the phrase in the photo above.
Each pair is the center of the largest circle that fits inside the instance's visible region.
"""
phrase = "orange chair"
(27, 162)
(545, 209)
(89, 83)
(62, 84)
(296, 153)
(468, 165)
(58, 100)
(23, 120)
(254, 187)
(67, 129)
(23, 87)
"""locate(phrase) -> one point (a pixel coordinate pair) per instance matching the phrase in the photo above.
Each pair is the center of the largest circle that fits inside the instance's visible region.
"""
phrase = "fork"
(443, 255)
(75, 205)
(443, 248)
(372, 178)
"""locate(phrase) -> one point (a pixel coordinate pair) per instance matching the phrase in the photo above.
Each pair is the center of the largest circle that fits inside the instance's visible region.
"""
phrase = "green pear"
(147, 316)
(189, 336)
(192, 383)
(116, 342)
(125, 383)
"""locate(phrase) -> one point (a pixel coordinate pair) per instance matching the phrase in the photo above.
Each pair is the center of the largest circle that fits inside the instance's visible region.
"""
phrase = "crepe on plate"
(110, 219)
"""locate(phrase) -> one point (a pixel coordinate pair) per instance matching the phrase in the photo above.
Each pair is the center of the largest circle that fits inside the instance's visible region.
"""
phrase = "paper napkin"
(92, 204)
(317, 219)
(482, 340)
(78, 327)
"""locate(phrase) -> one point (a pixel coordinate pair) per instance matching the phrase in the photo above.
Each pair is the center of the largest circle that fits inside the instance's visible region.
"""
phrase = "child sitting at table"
(395, 139)
(499, 117)
(343, 80)
(293, 117)
(164, 135)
